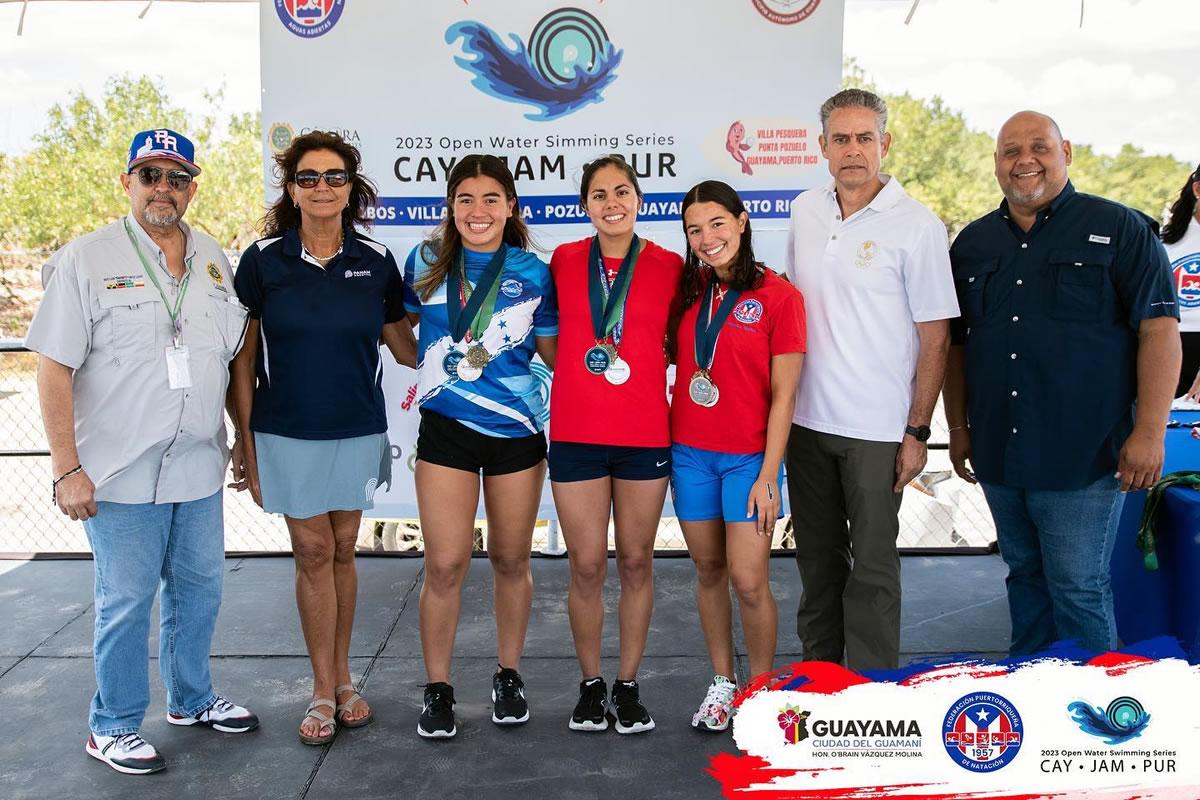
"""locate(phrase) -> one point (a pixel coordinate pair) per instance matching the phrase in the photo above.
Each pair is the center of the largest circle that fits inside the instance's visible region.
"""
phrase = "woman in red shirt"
(740, 345)
(610, 442)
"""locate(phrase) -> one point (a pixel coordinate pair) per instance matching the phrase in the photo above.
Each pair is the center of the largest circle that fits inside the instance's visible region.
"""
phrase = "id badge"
(179, 374)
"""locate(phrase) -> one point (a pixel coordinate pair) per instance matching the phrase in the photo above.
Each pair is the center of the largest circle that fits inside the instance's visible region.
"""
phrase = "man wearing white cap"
(134, 336)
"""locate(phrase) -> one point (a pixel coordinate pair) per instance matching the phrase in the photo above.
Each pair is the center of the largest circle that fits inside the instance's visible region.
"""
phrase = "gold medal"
(477, 356)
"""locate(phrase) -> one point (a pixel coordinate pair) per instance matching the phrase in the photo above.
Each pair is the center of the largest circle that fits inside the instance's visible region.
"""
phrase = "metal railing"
(939, 512)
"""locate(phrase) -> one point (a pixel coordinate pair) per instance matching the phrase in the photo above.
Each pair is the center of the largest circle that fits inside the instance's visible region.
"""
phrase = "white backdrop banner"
(685, 91)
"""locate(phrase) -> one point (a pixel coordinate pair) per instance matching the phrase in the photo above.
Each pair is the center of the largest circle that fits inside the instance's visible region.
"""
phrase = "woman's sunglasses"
(177, 179)
(308, 178)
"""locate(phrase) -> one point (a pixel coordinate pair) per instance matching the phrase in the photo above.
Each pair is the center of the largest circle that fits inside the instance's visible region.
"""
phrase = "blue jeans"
(1058, 544)
(174, 550)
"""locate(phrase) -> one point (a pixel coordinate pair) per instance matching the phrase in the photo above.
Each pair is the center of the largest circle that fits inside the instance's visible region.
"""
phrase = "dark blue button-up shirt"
(1050, 321)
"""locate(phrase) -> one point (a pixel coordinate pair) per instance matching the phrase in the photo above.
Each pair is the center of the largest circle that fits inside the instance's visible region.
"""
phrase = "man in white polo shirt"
(874, 269)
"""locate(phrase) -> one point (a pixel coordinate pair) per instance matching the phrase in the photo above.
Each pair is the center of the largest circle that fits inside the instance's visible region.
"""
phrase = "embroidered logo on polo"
(1096, 238)
(1186, 272)
(358, 273)
(512, 288)
(215, 273)
(748, 312)
(866, 252)
(125, 282)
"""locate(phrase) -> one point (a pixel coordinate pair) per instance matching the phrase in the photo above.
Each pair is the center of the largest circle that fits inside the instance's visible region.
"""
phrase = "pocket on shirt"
(136, 314)
(971, 280)
(1079, 279)
(229, 318)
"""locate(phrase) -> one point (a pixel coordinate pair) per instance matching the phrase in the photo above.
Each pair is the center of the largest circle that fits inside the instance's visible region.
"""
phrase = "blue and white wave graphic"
(1124, 719)
(567, 70)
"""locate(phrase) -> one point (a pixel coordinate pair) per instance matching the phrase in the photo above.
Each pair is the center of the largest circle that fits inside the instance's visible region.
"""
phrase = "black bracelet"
(60, 479)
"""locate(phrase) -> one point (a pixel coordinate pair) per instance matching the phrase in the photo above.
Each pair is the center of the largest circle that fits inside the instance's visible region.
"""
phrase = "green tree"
(68, 183)
(948, 166)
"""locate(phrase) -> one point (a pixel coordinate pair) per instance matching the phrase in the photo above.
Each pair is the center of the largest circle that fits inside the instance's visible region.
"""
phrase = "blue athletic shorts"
(572, 461)
(706, 484)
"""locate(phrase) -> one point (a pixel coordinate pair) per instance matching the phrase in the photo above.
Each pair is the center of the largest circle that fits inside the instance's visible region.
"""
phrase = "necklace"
(323, 260)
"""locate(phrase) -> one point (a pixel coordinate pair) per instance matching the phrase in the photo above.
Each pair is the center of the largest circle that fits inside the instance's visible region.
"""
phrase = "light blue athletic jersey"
(507, 400)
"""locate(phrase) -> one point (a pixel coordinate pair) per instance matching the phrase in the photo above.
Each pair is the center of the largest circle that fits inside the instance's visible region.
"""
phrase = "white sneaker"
(128, 753)
(714, 713)
(221, 716)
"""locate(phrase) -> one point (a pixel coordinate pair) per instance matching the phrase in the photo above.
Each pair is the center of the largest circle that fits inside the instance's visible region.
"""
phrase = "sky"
(1128, 75)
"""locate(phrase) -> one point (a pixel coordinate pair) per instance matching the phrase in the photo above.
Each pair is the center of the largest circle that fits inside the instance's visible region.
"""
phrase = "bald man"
(1060, 379)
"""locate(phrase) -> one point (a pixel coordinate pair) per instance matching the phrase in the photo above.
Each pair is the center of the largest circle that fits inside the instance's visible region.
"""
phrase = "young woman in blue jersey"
(740, 345)
(484, 305)
(309, 397)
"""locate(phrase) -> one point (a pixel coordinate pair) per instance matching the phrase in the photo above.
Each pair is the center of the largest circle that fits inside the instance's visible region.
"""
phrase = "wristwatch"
(919, 432)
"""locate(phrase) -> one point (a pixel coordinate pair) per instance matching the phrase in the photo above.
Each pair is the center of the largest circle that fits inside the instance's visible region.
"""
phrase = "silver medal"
(618, 371)
(703, 391)
(466, 372)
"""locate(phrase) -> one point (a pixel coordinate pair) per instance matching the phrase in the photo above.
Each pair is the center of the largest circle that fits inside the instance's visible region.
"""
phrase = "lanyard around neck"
(172, 311)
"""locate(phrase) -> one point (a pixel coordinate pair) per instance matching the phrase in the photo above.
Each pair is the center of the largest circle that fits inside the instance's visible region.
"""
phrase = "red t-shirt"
(586, 408)
(765, 322)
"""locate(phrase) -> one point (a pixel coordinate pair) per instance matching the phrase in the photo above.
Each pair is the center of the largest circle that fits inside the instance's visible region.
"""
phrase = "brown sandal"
(342, 708)
(326, 721)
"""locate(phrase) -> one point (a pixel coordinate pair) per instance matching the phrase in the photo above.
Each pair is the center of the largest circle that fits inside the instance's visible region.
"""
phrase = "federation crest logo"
(309, 19)
(786, 12)
(982, 732)
(280, 136)
(566, 65)
(215, 274)
(1124, 719)
(748, 312)
(512, 287)
(1187, 280)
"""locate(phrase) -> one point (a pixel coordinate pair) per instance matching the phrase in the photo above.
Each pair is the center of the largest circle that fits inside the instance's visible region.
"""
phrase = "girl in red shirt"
(610, 442)
(740, 344)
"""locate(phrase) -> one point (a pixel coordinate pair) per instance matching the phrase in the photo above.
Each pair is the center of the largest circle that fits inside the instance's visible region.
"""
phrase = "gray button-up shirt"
(139, 440)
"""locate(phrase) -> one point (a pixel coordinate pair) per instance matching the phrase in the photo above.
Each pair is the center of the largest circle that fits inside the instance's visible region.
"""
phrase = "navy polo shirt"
(1050, 324)
(319, 370)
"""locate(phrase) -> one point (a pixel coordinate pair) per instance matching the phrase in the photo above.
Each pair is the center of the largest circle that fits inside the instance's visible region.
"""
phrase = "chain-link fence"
(939, 510)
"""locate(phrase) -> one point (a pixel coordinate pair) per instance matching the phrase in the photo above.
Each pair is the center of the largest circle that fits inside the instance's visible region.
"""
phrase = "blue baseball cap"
(163, 143)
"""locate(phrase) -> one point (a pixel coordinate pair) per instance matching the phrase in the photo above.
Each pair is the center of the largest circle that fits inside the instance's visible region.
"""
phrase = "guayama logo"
(982, 732)
(566, 65)
(786, 12)
(309, 18)
(798, 725)
(1122, 720)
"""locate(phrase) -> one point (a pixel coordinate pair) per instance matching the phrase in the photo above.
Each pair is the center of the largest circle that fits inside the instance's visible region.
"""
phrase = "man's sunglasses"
(308, 178)
(177, 179)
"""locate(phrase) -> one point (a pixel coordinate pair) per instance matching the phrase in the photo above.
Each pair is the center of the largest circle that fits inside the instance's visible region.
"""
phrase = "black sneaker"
(628, 710)
(589, 711)
(509, 706)
(437, 717)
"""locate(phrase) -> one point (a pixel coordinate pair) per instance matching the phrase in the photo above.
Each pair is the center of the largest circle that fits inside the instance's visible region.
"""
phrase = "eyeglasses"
(308, 178)
(177, 179)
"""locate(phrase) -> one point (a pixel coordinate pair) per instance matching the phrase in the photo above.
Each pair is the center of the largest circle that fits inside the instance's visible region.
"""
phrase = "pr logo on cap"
(163, 143)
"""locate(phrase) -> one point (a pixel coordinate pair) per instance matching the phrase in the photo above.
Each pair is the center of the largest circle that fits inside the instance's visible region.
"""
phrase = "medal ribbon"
(172, 312)
(607, 301)
(472, 308)
(707, 330)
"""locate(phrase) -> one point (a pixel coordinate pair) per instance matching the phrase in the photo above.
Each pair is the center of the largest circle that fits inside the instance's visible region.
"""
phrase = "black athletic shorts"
(448, 443)
(573, 461)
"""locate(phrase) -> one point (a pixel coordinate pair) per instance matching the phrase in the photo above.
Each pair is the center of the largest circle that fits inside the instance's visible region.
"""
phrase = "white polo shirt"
(866, 281)
(140, 440)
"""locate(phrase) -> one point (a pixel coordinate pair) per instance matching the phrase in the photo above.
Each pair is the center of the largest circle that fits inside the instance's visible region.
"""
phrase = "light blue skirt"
(306, 477)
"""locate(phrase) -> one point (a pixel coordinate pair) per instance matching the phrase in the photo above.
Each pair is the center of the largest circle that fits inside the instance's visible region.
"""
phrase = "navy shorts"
(448, 443)
(571, 461)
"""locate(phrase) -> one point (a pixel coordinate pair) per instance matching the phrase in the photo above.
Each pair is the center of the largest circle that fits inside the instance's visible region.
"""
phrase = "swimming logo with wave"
(567, 64)
(1123, 720)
